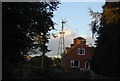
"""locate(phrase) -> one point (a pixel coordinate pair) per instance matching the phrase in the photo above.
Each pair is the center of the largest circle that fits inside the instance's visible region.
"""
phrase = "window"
(74, 63)
(81, 51)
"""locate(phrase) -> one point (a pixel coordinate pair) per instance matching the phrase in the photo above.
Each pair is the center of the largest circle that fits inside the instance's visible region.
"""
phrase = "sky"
(76, 15)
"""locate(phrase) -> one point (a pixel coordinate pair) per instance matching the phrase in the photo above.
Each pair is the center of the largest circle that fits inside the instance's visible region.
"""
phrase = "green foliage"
(56, 63)
(95, 23)
(36, 61)
(62, 55)
(22, 22)
(105, 60)
(111, 13)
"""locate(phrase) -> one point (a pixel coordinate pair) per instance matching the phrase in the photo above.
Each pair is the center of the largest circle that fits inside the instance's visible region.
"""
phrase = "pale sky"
(78, 20)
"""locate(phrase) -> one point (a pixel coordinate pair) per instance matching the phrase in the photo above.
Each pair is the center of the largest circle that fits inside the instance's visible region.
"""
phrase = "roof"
(79, 38)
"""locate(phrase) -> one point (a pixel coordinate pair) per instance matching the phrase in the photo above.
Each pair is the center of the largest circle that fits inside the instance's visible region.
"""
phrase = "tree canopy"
(26, 27)
(105, 60)
(35, 61)
(24, 24)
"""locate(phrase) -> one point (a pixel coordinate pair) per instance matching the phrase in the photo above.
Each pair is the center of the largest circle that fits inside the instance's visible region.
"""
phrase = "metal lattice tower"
(61, 47)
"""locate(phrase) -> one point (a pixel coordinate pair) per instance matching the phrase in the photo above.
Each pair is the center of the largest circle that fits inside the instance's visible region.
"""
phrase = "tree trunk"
(42, 62)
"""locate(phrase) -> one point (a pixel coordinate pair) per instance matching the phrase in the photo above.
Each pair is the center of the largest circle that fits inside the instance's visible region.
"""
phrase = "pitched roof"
(79, 38)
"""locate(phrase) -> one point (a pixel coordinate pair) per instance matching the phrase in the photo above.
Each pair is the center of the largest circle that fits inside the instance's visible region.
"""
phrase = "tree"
(22, 22)
(35, 61)
(105, 60)
(63, 59)
(56, 62)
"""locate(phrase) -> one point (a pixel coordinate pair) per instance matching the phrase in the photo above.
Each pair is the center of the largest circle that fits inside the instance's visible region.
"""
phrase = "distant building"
(78, 56)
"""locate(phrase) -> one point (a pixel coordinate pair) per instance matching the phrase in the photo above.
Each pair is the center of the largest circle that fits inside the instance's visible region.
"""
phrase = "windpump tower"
(61, 47)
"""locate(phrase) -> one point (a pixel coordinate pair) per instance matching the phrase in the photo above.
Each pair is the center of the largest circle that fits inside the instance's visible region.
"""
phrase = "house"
(78, 55)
